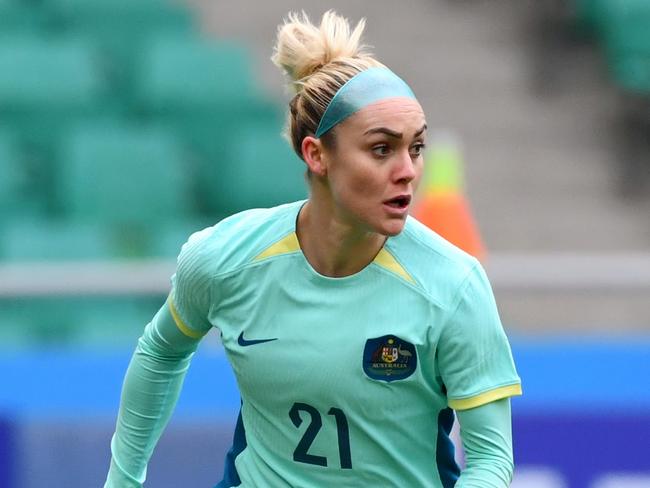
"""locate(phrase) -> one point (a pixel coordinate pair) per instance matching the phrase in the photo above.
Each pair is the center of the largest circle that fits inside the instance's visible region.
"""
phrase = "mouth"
(399, 202)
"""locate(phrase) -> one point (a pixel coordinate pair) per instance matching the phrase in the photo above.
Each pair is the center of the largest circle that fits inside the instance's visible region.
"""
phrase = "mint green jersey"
(344, 381)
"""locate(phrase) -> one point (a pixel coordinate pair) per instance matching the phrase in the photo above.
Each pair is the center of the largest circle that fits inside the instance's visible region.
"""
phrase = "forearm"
(487, 439)
(151, 388)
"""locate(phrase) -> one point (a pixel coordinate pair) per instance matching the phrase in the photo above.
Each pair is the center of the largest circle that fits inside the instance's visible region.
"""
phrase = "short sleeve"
(474, 355)
(191, 296)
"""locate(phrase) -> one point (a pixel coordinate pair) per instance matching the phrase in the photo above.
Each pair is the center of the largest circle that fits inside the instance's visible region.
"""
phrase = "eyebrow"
(392, 133)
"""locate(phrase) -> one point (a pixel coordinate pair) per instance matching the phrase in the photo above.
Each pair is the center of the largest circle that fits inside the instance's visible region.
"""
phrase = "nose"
(406, 168)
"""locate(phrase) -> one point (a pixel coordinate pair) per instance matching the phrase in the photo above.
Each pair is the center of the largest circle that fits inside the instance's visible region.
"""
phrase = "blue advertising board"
(585, 412)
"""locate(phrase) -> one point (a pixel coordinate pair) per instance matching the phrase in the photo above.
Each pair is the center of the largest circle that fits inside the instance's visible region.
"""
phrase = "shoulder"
(436, 266)
(238, 239)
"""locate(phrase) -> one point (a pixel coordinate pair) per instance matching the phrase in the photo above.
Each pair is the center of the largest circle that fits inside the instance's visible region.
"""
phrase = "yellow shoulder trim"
(180, 324)
(487, 397)
(285, 245)
(388, 261)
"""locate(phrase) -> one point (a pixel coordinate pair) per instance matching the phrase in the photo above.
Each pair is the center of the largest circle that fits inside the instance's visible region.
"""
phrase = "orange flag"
(442, 205)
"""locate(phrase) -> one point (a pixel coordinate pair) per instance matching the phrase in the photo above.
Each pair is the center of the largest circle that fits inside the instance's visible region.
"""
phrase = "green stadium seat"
(260, 170)
(47, 240)
(10, 178)
(124, 175)
(112, 18)
(17, 198)
(34, 240)
(632, 73)
(207, 135)
(627, 43)
(73, 322)
(120, 27)
(43, 321)
(15, 330)
(183, 73)
(113, 322)
(46, 85)
(18, 16)
(205, 91)
(116, 323)
(48, 74)
(590, 16)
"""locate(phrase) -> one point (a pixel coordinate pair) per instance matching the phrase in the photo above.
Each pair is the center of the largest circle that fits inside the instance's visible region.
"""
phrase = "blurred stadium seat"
(123, 174)
(44, 240)
(590, 15)
(46, 85)
(267, 172)
(19, 16)
(10, 181)
(47, 240)
(106, 322)
(627, 42)
(200, 91)
(118, 28)
(39, 75)
(118, 18)
(621, 27)
(187, 73)
(205, 91)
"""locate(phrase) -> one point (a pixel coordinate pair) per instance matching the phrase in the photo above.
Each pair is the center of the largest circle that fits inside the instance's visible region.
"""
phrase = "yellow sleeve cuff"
(486, 397)
(179, 322)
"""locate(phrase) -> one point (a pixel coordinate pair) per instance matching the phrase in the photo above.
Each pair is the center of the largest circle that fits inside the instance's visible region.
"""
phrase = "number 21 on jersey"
(301, 454)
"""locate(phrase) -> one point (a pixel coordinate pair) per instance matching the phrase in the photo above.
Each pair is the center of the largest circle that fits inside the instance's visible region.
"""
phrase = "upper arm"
(192, 297)
(474, 355)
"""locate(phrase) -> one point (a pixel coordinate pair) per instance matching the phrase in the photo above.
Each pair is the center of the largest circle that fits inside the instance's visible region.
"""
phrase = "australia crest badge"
(389, 358)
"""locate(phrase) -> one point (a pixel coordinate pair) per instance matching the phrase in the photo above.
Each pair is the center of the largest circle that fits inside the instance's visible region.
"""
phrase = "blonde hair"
(319, 60)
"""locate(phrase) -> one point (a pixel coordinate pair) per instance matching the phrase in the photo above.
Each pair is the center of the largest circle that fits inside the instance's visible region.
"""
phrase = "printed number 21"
(301, 455)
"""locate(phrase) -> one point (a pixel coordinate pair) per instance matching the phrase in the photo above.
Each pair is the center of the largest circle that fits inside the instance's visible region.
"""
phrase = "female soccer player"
(354, 332)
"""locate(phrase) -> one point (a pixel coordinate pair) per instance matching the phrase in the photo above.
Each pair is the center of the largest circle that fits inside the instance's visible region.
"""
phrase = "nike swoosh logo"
(243, 342)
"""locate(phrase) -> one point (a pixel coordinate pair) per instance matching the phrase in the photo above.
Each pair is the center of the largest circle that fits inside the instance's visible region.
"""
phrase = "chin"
(391, 228)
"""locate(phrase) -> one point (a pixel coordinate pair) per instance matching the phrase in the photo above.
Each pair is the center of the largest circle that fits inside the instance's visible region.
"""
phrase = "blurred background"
(126, 125)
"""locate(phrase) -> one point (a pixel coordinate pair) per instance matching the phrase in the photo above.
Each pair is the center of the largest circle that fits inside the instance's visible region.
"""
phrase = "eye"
(417, 148)
(381, 150)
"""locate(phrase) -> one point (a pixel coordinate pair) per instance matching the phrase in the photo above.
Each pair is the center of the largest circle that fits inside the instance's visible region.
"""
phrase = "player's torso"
(337, 376)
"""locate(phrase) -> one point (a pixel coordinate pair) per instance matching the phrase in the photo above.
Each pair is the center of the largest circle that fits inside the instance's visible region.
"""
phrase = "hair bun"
(302, 48)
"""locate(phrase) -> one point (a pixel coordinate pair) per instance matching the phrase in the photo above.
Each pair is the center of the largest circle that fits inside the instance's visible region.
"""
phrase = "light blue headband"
(367, 87)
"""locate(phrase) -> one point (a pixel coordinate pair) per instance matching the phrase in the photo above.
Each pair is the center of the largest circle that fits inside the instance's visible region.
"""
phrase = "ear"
(312, 153)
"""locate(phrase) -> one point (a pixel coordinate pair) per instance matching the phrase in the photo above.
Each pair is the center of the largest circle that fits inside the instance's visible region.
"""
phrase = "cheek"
(418, 174)
(359, 182)
(362, 183)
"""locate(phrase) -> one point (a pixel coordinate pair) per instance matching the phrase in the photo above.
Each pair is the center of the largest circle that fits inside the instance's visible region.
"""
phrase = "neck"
(333, 247)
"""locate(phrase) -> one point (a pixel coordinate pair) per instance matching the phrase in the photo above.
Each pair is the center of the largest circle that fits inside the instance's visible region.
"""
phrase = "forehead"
(400, 114)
